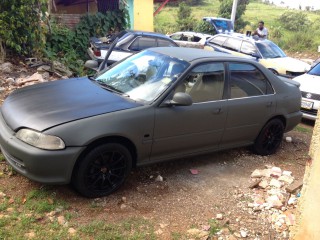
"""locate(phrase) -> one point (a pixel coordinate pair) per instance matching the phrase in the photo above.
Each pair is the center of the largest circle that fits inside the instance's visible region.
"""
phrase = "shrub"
(294, 21)
(185, 20)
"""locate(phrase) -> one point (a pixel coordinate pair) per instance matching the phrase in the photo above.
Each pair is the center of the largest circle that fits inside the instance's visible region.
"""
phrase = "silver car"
(157, 105)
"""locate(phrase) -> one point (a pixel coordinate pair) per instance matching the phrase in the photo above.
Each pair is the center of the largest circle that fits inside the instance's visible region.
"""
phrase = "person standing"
(261, 32)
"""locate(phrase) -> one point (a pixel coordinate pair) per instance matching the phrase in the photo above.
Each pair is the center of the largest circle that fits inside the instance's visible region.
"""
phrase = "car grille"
(310, 95)
(311, 111)
(13, 160)
(294, 74)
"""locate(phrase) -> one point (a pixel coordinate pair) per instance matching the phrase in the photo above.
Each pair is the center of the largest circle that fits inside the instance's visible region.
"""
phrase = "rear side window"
(232, 44)
(218, 40)
(142, 43)
(176, 36)
(165, 43)
(247, 81)
(248, 48)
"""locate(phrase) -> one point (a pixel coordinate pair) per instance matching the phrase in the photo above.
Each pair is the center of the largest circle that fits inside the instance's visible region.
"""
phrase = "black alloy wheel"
(103, 170)
(269, 138)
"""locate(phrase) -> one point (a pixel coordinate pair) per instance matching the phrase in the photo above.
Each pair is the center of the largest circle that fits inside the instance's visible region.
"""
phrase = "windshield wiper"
(111, 88)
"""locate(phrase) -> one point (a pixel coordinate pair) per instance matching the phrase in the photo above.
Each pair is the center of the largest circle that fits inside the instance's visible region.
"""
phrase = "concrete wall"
(143, 15)
(308, 220)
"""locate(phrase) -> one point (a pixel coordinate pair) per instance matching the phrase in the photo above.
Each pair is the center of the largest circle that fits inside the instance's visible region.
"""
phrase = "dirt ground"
(183, 200)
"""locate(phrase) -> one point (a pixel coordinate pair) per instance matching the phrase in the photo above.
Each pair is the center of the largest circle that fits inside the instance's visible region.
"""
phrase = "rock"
(124, 199)
(287, 173)
(286, 179)
(219, 216)
(231, 237)
(238, 235)
(6, 67)
(43, 68)
(288, 139)
(61, 69)
(243, 234)
(61, 220)
(159, 178)
(51, 214)
(36, 77)
(255, 183)
(257, 174)
(2, 89)
(263, 184)
(2, 195)
(274, 201)
(158, 232)
(276, 172)
(123, 206)
(292, 200)
(275, 183)
(72, 231)
(10, 210)
(163, 225)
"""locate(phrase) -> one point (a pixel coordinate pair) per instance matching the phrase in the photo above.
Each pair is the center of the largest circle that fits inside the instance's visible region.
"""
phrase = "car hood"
(45, 105)
(309, 83)
(287, 63)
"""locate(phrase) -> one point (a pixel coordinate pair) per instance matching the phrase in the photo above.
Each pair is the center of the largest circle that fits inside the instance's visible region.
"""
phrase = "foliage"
(226, 9)
(205, 27)
(300, 41)
(70, 46)
(294, 21)
(20, 26)
(185, 20)
(187, 2)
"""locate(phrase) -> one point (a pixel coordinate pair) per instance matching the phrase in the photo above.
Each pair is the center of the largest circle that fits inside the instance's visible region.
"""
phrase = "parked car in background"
(315, 62)
(190, 39)
(159, 104)
(220, 25)
(310, 91)
(264, 51)
(130, 42)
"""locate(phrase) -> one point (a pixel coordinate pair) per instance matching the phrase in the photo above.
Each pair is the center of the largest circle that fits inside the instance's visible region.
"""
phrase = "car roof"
(192, 54)
(145, 33)
(242, 37)
(194, 33)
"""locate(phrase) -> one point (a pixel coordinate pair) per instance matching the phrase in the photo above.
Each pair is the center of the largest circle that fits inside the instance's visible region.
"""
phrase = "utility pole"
(234, 11)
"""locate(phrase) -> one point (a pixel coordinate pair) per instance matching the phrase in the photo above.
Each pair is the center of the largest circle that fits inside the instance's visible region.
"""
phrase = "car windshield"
(315, 70)
(270, 50)
(144, 76)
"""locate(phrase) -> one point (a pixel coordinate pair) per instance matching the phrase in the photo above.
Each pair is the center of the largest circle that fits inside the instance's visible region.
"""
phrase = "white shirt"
(263, 32)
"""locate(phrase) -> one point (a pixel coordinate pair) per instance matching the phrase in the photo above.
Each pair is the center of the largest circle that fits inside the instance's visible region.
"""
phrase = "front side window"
(165, 43)
(246, 81)
(204, 83)
(142, 77)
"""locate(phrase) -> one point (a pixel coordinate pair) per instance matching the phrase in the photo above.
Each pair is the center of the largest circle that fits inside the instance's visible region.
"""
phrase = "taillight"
(97, 52)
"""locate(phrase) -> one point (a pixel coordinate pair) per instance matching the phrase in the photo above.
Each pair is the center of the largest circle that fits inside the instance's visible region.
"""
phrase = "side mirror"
(92, 64)
(180, 99)
(255, 55)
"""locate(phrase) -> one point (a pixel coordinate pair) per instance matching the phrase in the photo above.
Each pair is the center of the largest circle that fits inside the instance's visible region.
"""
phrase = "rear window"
(142, 43)
(232, 44)
(165, 43)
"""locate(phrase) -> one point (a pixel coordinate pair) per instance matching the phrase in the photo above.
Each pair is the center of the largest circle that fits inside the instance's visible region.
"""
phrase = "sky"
(295, 3)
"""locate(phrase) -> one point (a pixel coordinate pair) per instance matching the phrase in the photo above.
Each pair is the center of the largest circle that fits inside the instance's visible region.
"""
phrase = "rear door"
(251, 103)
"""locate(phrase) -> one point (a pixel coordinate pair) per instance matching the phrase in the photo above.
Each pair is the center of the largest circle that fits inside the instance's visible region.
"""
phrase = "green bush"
(299, 41)
(185, 20)
(205, 27)
(294, 21)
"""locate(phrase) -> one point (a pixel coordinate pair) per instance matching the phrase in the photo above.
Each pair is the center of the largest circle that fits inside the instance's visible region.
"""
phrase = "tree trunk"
(2, 51)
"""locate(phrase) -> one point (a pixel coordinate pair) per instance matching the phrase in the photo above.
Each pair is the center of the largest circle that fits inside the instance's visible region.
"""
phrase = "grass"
(302, 129)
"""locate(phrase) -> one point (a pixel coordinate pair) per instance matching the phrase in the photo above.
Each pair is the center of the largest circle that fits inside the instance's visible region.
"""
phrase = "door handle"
(269, 104)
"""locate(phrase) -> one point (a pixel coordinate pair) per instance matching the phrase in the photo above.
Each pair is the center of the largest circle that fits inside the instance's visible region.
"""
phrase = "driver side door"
(186, 130)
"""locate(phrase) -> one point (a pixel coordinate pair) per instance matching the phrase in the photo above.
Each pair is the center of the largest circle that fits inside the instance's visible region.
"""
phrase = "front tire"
(269, 138)
(102, 170)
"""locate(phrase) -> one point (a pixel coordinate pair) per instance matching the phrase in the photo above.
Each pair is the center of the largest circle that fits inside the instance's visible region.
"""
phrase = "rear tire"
(103, 170)
(269, 138)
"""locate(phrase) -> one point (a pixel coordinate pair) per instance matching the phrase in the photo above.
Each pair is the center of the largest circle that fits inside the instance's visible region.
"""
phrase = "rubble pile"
(274, 195)
(29, 73)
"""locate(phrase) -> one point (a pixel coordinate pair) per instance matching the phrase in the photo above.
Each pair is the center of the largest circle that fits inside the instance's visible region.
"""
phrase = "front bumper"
(310, 108)
(44, 166)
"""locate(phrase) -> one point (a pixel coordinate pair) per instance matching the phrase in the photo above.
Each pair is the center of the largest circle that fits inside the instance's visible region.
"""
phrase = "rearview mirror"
(91, 64)
(180, 99)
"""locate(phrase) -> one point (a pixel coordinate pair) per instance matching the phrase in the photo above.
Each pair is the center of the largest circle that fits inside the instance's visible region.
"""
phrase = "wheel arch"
(110, 139)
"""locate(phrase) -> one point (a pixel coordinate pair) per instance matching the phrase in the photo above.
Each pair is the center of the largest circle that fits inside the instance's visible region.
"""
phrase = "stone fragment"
(274, 201)
(286, 179)
(243, 234)
(2, 195)
(257, 174)
(158, 232)
(219, 216)
(30, 235)
(294, 186)
(275, 183)
(159, 178)
(276, 172)
(6, 67)
(287, 173)
(123, 206)
(264, 184)
(61, 220)
(288, 139)
(255, 183)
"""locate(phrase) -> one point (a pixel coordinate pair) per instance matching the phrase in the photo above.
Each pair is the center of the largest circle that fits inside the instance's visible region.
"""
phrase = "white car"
(310, 92)
(190, 39)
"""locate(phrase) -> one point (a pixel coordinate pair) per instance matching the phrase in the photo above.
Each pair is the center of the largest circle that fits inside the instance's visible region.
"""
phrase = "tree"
(20, 25)
(294, 21)
(185, 20)
(226, 9)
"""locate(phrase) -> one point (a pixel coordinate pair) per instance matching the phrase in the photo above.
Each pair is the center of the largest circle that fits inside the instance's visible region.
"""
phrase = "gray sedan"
(157, 105)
